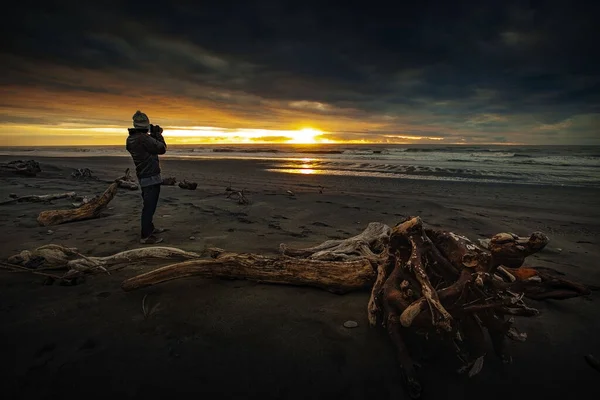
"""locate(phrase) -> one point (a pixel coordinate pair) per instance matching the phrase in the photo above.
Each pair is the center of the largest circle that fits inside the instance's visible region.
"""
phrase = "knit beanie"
(140, 120)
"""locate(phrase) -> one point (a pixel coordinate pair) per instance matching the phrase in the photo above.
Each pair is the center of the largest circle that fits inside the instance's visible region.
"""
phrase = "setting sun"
(305, 136)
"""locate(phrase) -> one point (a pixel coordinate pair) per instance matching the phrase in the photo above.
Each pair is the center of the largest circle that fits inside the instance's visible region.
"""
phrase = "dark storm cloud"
(499, 69)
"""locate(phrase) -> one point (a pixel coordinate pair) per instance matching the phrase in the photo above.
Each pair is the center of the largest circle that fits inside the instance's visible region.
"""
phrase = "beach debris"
(148, 312)
(26, 168)
(240, 196)
(170, 181)
(592, 361)
(39, 198)
(83, 173)
(144, 309)
(127, 181)
(188, 185)
(350, 324)
(86, 211)
(82, 200)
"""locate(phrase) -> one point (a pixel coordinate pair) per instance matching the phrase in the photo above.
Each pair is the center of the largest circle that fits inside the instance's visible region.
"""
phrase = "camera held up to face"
(155, 130)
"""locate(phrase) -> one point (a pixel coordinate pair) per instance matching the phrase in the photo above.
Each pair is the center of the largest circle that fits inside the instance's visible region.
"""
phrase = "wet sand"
(238, 339)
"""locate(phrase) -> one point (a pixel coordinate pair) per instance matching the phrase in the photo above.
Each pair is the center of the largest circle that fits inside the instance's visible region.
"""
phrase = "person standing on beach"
(145, 143)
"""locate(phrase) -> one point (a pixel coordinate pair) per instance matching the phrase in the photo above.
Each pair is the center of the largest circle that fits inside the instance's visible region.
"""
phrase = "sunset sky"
(304, 71)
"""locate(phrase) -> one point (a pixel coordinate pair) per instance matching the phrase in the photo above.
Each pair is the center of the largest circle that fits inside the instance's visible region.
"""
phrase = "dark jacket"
(144, 150)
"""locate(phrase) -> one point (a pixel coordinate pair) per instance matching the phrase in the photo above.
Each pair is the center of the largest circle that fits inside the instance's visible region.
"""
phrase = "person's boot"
(151, 240)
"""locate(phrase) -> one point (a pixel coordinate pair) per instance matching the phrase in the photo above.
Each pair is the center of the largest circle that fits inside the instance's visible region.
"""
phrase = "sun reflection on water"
(306, 167)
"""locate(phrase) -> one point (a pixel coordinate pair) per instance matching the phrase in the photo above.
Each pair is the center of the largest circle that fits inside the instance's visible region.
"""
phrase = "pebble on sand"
(350, 324)
(50, 232)
(192, 237)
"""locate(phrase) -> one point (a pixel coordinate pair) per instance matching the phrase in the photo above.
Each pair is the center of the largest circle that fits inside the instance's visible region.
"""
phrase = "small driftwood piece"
(83, 173)
(369, 244)
(127, 181)
(25, 168)
(333, 276)
(188, 185)
(86, 211)
(39, 198)
(239, 196)
(169, 181)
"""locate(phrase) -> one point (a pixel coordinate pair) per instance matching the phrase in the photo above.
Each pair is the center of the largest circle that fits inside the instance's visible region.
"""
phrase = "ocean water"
(537, 165)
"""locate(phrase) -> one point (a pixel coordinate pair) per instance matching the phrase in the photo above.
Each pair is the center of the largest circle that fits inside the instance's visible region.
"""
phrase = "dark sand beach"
(236, 339)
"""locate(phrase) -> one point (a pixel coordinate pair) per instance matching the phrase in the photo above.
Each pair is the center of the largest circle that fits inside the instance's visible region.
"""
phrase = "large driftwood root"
(333, 276)
(87, 211)
(25, 168)
(440, 283)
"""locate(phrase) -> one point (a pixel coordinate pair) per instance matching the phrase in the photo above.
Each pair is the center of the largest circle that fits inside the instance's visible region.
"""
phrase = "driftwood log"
(86, 211)
(333, 276)
(39, 198)
(25, 168)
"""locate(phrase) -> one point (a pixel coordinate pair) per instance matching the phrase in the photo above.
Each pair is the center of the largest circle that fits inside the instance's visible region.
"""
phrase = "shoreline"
(94, 159)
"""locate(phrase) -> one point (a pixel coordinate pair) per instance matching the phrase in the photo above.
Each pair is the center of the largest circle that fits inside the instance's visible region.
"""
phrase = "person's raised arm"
(154, 145)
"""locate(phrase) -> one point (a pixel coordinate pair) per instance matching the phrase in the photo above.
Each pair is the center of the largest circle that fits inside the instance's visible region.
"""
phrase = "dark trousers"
(150, 196)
